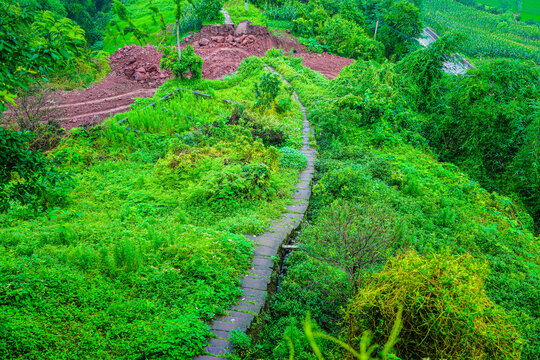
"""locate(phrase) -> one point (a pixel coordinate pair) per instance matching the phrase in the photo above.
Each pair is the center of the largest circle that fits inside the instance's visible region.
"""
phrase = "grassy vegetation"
(373, 182)
(237, 11)
(156, 22)
(149, 245)
(125, 240)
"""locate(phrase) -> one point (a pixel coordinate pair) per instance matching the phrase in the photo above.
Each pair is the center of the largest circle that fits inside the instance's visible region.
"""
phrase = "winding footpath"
(228, 20)
(256, 283)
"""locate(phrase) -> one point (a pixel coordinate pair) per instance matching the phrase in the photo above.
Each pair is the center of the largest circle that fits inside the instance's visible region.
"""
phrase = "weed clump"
(292, 158)
(446, 312)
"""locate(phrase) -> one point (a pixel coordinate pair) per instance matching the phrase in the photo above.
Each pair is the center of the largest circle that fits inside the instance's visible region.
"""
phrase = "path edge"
(257, 283)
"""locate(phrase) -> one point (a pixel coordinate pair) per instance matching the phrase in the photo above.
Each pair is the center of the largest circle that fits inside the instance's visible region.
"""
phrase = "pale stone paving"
(228, 20)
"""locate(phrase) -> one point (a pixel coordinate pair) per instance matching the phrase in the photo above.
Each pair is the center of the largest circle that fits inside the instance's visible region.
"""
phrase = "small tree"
(178, 15)
(37, 112)
(267, 90)
(403, 26)
(180, 67)
(353, 236)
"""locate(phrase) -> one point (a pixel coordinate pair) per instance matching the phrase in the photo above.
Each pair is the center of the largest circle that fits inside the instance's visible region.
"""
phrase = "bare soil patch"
(135, 70)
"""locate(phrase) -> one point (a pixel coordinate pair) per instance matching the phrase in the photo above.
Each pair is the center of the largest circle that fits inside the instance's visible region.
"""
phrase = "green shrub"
(267, 90)
(446, 311)
(188, 62)
(241, 342)
(27, 177)
(292, 158)
(283, 104)
(313, 45)
(354, 237)
(345, 38)
(183, 339)
(250, 65)
(309, 286)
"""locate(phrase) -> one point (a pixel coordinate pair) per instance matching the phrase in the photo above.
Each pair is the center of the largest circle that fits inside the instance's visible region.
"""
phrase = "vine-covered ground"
(148, 245)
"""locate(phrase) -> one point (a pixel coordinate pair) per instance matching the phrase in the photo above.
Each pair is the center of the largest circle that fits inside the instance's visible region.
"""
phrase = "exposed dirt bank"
(135, 70)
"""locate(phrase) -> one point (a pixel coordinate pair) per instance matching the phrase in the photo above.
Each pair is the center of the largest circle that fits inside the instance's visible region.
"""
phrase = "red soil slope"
(136, 70)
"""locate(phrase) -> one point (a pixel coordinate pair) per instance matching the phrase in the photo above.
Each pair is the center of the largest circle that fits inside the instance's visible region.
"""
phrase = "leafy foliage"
(267, 90)
(188, 62)
(372, 151)
(403, 26)
(353, 237)
(26, 177)
(241, 342)
(150, 245)
(446, 311)
(345, 38)
(292, 158)
(491, 120)
(185, 337)
(22, 62)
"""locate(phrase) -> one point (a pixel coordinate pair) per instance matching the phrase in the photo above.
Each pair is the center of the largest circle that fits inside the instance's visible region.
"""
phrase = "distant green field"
(486, 35)
(150, 24)
(529, 10)
(142, 16)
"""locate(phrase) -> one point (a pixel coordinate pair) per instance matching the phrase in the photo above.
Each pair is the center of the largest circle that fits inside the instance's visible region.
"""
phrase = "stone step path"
(228, 20)
(256, 282)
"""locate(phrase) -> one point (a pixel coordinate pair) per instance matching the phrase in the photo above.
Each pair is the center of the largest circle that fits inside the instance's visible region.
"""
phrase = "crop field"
(530, 9)
(149, 244)
(486, 35)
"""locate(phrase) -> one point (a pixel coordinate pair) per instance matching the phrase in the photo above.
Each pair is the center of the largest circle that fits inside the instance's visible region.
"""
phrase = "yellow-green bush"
(446, 312)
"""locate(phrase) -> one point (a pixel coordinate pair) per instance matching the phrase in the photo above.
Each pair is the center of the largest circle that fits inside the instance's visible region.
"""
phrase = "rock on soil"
(223, 48)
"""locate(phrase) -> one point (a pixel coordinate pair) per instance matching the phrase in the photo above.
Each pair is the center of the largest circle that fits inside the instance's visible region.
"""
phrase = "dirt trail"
(135, 71)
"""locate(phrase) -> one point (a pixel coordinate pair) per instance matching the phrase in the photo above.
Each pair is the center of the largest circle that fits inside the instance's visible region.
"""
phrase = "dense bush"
(369, 135)
(353, 237)
(188, 62)
(208, 10)
(267, 89)
(403, 26)
(151, 245)
(250, 66)
(27, 177)
(185, 338)
(446, 311)
(292, 158)
(345, 38)
(490, 124)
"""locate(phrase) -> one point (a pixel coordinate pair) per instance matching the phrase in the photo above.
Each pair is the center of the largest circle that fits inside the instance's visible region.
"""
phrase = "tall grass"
(177, 115)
